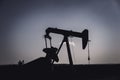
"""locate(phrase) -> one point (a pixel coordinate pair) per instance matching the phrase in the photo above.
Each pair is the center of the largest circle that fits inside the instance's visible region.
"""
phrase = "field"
(61, 72)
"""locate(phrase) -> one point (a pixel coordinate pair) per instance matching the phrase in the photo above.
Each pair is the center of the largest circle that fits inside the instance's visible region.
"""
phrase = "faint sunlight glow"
(71, 43)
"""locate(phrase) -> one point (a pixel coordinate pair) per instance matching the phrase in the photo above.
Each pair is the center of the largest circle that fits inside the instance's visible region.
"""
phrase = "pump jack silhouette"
(52, 52)
(66, 34)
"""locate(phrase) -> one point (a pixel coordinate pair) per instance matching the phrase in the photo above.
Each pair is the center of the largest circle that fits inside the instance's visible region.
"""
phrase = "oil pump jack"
(66, 34)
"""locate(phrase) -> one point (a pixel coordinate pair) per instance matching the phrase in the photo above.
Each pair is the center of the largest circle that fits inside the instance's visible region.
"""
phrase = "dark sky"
(23, 22)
